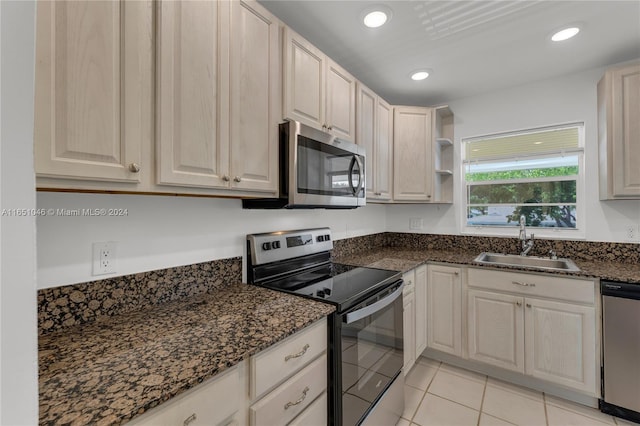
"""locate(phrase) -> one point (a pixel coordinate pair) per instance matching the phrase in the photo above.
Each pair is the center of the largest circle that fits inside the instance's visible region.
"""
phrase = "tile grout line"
(484, 392)
(424, 395)
(544, 404)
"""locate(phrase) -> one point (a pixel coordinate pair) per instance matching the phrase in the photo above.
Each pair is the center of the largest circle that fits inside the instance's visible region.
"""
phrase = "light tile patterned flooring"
(442, 395)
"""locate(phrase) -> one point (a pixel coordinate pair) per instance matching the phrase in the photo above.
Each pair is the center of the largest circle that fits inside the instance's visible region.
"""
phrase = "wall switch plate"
(104, 258)
(415, 223)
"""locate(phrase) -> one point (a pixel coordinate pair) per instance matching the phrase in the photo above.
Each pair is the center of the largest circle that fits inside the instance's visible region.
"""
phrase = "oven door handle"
(374, 307)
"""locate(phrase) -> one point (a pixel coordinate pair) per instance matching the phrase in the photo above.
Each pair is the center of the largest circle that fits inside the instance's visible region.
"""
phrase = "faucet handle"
(552, 255)
(532, 235)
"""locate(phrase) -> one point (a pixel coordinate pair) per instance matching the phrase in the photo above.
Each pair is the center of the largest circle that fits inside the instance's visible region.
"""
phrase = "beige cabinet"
(317, 91)
(421, 297)
(443, 155)
(412, 154)
(93, 90)
(513, 324)
(217, 95)
(409, 321)
(444, 309)
(374, 131)
(619, 133)
(217, 402)
(496, 329)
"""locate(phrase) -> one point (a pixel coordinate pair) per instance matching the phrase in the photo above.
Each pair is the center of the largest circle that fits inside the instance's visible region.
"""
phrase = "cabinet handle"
(189, 419)
(377, 193)
(134, 168)
(456, 273)
(304, 395)
(518, 303)
(225, 178)
(523, 284)
(330, 127)
(237, 179)
(528, 305)
(299, 354)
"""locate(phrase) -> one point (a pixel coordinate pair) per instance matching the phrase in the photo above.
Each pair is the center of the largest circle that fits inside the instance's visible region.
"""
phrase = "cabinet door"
(412, 154)
(625, 129)
(420, 289)
(92, 89)
(496, 327)
(384, 150)
(444, 309)
(366, 134)
(340, 102)
(254, 97)
(560, 343)
(192, 93)
(408, 322)
(303, 81)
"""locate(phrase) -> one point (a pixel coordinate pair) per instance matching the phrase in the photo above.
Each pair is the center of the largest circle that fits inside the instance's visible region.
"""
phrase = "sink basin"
(527, 261)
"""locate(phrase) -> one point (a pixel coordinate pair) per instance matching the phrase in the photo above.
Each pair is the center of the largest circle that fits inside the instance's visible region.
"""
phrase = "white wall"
(570, 98)
(18, 332)
(161, 231)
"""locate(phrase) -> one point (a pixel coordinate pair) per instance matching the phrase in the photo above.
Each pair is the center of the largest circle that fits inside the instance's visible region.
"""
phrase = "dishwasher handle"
(617, 289)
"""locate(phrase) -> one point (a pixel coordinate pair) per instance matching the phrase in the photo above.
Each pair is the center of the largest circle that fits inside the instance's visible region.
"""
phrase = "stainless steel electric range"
(365, 333)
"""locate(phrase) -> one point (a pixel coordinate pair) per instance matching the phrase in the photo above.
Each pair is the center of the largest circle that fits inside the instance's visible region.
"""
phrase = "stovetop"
(335, 283)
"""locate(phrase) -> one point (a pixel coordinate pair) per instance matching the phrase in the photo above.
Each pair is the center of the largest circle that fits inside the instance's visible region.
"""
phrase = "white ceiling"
(471, 46)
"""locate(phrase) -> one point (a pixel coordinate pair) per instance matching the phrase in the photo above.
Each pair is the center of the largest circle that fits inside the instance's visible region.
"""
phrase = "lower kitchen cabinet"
(284, 383)
(443, 316)
(409, 321)
(516, 327)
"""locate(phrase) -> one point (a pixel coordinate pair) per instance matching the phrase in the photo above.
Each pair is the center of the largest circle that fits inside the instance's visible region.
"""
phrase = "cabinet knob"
(528, 305)
(456, 273)
(330, 127)
(237, 179)
(225, 178)
(134, 168)
(518, 303)
(377, 193)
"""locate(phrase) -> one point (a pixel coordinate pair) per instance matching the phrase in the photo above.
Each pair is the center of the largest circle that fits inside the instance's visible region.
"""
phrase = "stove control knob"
(320, 293)
(327, 291)
(320, 238)
(266, 246)
(327, 237)
(275, 245)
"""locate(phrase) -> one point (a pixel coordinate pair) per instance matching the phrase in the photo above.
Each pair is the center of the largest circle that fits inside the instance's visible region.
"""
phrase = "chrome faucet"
(526, 245)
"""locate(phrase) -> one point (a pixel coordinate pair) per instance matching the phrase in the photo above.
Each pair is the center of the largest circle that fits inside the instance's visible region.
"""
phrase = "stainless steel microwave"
(317, 170)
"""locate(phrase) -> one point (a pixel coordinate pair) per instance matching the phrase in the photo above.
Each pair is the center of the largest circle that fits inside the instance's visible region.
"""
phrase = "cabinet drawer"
(314, 415)
(272, 366)
(211, 403)
(574, 290)
(292, 397)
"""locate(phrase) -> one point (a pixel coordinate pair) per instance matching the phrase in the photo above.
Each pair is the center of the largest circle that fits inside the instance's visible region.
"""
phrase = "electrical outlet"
(104, 258)
(632, 233)
(415, 223)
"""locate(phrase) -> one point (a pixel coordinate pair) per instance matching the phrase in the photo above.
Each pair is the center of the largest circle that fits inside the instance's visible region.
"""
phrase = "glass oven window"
(372, 356)
(326, 170)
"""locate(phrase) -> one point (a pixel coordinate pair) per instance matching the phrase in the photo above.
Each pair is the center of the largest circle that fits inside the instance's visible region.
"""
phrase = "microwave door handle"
(374, 307)
(356, 160)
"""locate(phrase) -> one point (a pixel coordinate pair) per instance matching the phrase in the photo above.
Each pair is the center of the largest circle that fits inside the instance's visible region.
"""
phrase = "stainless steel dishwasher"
(621, 349)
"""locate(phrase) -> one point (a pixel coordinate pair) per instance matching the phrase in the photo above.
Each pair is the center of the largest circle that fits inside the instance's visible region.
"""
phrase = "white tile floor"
(442, 395)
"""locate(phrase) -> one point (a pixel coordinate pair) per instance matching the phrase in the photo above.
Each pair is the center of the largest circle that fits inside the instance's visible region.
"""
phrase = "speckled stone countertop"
(109, 371)
(406, 259)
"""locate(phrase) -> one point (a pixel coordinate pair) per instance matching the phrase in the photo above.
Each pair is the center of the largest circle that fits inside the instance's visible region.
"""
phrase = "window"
(535, 173)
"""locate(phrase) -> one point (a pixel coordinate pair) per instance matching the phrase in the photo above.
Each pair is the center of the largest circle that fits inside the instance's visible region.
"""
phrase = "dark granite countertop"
(403, 260)
(109, 371)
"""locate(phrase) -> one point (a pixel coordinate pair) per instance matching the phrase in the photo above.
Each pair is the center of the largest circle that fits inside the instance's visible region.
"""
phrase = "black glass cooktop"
(338, 284)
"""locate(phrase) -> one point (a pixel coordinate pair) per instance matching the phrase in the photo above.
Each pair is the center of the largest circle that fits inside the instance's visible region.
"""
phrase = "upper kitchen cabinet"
(619, 132)
(374, 131)
(317, 91)
(93, 96)
(443, 155)
(217, 95)
(412, 154)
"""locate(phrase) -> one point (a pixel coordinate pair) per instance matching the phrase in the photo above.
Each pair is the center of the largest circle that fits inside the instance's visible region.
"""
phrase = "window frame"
(577, 233)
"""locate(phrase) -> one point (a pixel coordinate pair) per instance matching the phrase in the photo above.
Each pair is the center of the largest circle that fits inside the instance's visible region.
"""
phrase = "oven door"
(324, 170)
(372, 352)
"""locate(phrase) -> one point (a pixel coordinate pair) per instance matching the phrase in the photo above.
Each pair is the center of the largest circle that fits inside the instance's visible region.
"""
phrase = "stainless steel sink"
(527, 261)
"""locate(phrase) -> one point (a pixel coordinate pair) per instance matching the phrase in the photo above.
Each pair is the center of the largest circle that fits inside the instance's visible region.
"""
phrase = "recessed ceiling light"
(419, 75)
(565, 34)
(375, 19)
